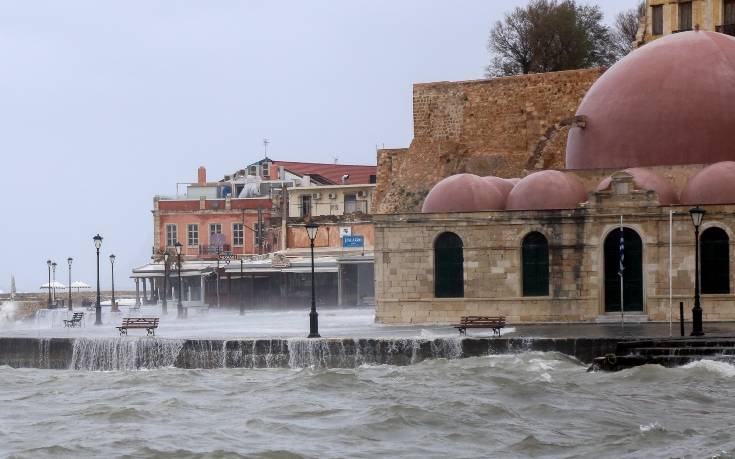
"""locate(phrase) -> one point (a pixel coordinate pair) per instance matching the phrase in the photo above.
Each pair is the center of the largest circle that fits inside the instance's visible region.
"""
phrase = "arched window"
(535, 258)
(448, 266)
(715, 261)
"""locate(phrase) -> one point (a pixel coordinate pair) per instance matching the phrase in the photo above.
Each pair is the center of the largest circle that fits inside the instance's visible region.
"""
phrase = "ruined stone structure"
(547, 247)
(502, 126)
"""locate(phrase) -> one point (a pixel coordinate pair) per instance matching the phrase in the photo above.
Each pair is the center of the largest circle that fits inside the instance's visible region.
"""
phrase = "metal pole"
(313, 316)
(217, 278)
(69, 261)
(48, 303)
(179, 307)
(622, 275)
(242, 281)
(681, 317)
(697, 310)
(112, 270)
(259, 232)
(164, 300)
(98, 306)
(671, 251)
(53, 280)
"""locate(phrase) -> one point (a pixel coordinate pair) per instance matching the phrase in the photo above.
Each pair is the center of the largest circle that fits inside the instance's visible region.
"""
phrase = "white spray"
(7, 314)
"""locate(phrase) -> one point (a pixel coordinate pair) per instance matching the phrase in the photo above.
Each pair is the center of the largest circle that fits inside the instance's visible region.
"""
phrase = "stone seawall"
(136, 353)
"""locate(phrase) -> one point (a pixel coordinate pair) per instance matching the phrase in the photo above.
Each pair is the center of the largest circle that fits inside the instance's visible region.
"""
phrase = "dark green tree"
(549, 36)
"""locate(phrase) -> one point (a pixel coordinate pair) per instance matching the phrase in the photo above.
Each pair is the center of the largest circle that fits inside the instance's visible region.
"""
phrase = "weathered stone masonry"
(486, 127)
(492, 261)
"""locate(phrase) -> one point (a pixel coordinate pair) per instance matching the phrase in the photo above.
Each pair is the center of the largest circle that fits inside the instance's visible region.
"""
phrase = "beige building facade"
(550, 243)
(664, 17)
(578, 281)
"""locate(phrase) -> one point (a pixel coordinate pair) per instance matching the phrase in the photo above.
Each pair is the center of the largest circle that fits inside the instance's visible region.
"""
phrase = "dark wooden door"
(632, 274)
(448, 267)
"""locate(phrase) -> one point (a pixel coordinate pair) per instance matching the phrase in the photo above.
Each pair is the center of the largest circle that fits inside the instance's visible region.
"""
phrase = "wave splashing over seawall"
(107, 354)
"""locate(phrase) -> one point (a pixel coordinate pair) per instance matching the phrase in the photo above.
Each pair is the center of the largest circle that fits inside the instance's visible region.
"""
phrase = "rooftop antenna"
(265, 147)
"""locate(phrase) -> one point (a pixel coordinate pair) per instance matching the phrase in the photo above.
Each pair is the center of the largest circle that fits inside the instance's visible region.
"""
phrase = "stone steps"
(617, 363)
(630, 318)
(677, 343)
(684, 351)
(667, 352)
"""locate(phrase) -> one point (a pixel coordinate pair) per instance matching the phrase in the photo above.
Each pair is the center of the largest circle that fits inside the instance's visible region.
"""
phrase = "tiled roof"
(332, 172)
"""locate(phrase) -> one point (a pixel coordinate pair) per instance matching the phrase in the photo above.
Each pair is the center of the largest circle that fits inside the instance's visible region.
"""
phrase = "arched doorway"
(632, 274)
(535, 261)
(448, 266)
(715, 261)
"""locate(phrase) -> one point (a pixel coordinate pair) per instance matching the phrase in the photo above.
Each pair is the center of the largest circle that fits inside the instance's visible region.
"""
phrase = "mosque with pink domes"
(649, 141)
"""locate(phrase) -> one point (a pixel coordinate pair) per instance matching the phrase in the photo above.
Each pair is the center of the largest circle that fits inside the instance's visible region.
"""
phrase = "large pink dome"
(646, 179)
(463, 193)
(712, 185)
(669, 102)
(546, 190)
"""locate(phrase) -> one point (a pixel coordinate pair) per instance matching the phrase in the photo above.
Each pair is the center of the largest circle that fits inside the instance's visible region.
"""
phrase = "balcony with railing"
(727, 29)
(206, 251)
(318, 209)
(227, 204)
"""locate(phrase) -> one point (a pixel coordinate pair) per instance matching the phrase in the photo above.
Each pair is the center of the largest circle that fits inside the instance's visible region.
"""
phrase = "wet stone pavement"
(609, 330)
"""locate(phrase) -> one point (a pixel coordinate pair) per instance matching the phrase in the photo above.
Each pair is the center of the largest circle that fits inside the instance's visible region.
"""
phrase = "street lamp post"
(311, 230)
(164, 301)
(697, 214)
(69, 261)
(216, 286)
(113, 307)
(48, 303)
(53, 281)
(98, 307)
(179, 306)
(226, 257)
(242, 282)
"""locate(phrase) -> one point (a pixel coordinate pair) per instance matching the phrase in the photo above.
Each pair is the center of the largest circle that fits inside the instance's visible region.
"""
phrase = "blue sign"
(353, 241)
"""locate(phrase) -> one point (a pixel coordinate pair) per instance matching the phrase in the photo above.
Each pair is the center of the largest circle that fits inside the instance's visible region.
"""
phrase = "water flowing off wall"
(128, 353)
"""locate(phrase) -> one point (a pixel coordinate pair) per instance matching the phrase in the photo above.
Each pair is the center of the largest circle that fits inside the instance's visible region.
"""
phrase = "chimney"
(202, 175)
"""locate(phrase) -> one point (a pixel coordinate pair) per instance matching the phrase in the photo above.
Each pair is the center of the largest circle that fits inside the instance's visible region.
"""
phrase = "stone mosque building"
(540, 242)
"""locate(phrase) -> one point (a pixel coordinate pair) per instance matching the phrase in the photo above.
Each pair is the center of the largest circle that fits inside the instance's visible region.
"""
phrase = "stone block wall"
(404, 264)
(499, 126)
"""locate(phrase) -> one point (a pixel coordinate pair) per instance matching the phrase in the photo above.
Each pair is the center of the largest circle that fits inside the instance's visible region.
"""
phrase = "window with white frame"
(192, 235)
(238, 234)
(171, 236)
(215, 228)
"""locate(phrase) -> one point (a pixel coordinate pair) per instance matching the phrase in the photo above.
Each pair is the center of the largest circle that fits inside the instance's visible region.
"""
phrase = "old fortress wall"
(502, 126)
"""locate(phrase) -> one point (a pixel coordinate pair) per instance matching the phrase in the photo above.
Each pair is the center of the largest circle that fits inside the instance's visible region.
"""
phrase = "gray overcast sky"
(105, 104)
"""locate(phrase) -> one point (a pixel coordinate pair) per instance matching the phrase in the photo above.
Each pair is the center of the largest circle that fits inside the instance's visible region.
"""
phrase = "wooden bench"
(75, 321)
(148, 323)
(495, 323)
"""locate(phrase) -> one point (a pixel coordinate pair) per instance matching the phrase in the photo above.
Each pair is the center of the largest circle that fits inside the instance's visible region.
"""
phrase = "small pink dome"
(546, 190)
(646, 179)
(463, 193)
(503, 185)
(712, 185)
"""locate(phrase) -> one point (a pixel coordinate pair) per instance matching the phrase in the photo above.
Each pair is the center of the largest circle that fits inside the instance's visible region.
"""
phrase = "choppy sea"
(525, 405)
